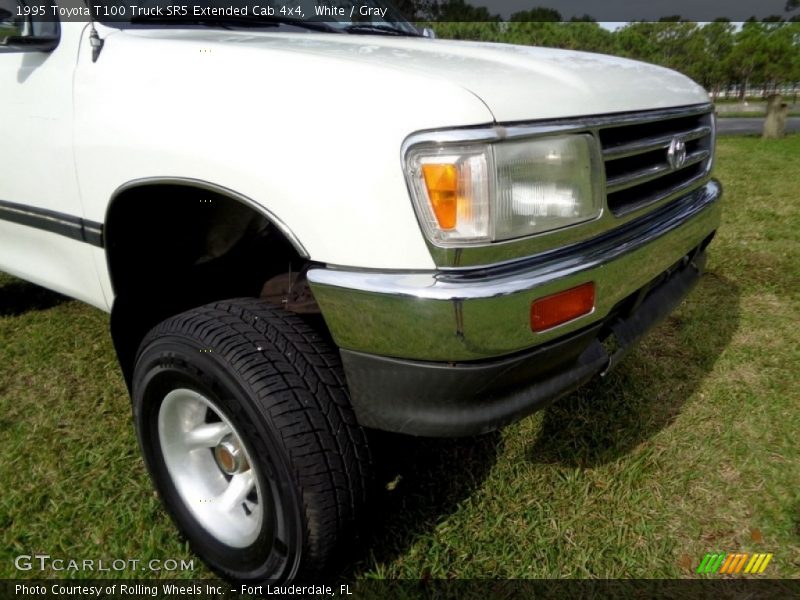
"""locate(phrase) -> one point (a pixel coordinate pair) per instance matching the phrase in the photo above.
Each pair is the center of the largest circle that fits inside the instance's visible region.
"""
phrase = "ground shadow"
(19, 297)
(419, 482)
(608, 417)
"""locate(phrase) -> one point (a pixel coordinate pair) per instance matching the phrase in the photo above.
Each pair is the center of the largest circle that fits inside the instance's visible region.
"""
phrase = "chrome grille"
(638, 170)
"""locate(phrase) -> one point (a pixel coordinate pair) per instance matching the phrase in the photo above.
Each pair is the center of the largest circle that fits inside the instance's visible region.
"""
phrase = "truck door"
(43, 236)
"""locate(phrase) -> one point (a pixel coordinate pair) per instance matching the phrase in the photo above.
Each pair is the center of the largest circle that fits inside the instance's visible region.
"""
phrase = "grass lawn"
(690, 446)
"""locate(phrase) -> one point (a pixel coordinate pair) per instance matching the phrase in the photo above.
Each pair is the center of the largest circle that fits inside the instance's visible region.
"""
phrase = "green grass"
(690, 446)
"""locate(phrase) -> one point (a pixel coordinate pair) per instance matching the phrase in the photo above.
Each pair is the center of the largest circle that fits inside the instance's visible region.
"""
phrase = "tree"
(588, 36)
(459, 11)
(534, 33)
(681, 46)
(775, 122)
(748, 57)
(637, 40)
(765, 54)
(716, 63)
(793, 28)
(476, 31)
(538, 14)
(413, 10)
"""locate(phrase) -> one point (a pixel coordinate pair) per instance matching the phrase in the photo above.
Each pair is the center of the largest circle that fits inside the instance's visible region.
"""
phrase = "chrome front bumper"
(484, 313)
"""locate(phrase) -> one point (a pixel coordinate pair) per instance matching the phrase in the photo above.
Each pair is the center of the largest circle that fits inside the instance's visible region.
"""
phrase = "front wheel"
(247, 431)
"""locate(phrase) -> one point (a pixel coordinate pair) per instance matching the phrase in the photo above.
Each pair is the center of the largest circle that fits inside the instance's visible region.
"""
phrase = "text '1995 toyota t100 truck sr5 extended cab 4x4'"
(303, 230)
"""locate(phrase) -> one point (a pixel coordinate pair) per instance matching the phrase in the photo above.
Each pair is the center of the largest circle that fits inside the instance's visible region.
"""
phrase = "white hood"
(516, 83)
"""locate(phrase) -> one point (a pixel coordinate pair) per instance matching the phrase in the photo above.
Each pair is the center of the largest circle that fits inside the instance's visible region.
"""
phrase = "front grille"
(638, 172)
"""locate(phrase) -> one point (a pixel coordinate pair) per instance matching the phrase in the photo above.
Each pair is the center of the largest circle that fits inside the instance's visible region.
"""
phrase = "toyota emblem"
(676, 155)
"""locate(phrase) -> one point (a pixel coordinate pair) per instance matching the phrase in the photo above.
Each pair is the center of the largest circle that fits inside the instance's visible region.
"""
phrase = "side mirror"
(27, 33)
(428, 33)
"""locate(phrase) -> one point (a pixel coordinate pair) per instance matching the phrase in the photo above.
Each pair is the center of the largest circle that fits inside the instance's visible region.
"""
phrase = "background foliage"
(719, 55)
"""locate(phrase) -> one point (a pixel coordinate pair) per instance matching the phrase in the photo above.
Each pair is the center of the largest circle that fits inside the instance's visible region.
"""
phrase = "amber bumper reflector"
(564, 306)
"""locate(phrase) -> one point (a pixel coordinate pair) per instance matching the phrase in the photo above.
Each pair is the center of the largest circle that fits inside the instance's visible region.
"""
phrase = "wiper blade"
(227, 22)
(379, 30)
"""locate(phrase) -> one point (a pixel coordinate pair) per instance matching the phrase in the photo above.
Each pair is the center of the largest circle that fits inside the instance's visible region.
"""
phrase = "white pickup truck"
(302, 230)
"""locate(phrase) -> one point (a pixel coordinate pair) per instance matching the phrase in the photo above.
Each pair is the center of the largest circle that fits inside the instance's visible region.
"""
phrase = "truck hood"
(516, 83)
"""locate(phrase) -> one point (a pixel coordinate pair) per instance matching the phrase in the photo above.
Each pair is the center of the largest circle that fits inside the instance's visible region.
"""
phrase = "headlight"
(504, 190)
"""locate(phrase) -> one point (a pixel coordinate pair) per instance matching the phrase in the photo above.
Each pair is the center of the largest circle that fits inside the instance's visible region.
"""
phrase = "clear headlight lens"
(492, 192)
(543, 184)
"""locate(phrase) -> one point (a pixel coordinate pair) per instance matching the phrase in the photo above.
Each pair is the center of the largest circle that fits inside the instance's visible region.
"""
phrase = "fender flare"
(217, 189)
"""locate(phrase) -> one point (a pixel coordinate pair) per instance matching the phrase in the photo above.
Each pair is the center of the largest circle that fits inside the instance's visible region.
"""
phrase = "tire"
(242, 398)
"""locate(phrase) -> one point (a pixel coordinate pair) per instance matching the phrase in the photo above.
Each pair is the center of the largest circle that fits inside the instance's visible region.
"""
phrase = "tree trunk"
(775, 122)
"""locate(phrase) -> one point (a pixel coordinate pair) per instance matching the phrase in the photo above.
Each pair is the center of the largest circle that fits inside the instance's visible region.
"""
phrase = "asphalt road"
(751, 126)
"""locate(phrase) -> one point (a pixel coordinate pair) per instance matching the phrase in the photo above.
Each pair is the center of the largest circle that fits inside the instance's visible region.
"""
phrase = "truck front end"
(558, 244)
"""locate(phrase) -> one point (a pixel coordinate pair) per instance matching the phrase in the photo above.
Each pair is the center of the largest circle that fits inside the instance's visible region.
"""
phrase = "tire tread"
(297, 379)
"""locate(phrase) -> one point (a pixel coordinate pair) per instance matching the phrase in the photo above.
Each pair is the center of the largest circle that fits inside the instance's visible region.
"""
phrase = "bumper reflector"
(564, 306)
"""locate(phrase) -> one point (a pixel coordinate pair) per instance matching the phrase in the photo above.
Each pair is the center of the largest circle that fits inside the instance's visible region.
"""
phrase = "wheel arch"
(154, 233)
(200, 185)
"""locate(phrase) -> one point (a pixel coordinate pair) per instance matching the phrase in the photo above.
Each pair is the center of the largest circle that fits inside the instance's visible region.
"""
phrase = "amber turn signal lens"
(441, 180)
(564, 306)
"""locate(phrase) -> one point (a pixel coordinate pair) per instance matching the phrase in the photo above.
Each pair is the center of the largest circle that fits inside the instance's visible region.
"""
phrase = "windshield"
(351, 16)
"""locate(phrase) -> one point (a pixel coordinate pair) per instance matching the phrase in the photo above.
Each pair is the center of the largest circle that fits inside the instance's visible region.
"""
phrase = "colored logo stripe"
(735, 563)
(761, 564)
(710, 563)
